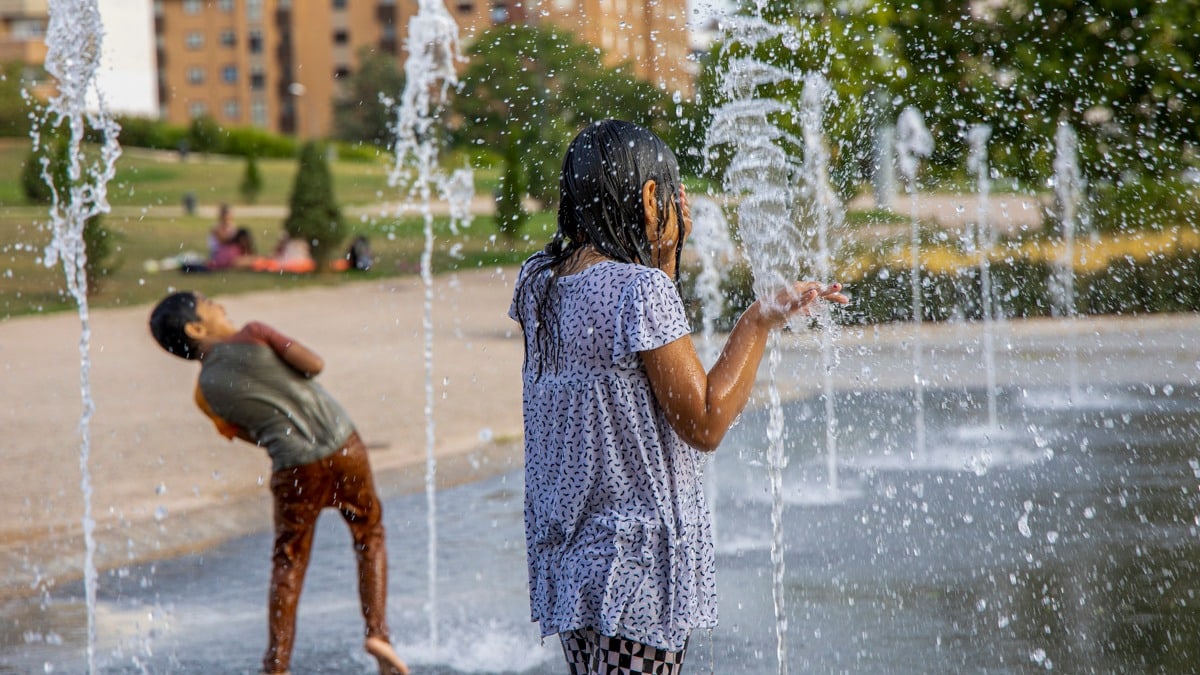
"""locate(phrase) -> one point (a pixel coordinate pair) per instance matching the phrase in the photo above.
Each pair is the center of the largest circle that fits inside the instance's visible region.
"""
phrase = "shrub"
(314, 215)
(204, 134)
(251, 183)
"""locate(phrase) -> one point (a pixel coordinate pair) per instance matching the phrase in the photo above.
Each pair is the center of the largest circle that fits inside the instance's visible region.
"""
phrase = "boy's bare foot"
(389, 661)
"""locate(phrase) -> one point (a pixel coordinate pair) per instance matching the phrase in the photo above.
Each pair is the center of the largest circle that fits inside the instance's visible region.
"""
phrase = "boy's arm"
(226, 429)
(302, 359)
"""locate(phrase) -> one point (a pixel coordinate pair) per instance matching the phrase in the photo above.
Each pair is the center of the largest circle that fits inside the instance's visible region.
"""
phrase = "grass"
(148, 223)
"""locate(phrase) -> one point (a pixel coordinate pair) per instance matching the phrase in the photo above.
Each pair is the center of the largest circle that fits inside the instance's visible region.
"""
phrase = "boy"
(256, 384)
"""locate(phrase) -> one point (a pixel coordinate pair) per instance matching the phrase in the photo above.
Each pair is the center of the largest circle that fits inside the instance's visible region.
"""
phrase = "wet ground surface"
(1066, 540)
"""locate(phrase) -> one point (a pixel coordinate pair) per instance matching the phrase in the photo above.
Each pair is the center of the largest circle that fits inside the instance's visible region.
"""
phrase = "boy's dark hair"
(168, 320)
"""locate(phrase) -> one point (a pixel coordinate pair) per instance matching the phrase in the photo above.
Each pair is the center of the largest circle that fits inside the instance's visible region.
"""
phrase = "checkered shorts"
(589, 653)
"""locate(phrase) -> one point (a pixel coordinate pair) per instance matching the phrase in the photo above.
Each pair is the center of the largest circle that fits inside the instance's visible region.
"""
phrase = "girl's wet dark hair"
(601, 183)
(600, 204)
(167, 322)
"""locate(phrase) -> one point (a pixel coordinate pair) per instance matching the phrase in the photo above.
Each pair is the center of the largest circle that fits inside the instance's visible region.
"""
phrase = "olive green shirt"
(291, 416)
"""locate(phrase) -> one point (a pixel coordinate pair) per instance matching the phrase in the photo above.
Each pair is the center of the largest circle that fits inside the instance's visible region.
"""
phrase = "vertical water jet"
(433, 49)
(73, 40)
(913, 143)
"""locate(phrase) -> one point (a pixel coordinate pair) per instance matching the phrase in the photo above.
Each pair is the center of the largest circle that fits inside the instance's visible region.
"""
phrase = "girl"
(619, 410)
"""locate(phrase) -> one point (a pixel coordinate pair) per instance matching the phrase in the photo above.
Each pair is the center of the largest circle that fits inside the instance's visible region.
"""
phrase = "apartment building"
(23, 36)
(277, 64)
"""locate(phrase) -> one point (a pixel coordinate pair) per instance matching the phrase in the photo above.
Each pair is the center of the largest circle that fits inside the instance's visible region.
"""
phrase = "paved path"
(164, 482)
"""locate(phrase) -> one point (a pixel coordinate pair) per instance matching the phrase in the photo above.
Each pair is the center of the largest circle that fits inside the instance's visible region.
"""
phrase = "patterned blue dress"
(617, 531)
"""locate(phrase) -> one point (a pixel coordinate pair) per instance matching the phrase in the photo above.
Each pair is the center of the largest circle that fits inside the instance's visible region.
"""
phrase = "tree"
(1123, 75)
(251, 183)
(854, 50)
(358, 114)
(14, 112)
(526, 92)
(98, 240)
(313, 214)
(204, 134)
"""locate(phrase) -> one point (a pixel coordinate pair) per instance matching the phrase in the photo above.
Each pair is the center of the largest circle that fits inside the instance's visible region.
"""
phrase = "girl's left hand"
(798, 298)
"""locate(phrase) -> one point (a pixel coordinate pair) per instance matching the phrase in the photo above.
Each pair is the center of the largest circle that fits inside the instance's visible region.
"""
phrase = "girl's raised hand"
(798, 298)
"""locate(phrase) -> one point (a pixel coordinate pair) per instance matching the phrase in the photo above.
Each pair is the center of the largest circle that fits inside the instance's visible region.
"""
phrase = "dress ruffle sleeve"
(650, 315)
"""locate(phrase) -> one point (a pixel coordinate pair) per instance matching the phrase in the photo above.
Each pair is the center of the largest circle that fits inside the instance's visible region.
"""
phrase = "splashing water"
(913, 143)
(433, 49)
(822, 206)
(1068, 189)
(985, 242)
(73, 39)
(766, 178)
(714, 248)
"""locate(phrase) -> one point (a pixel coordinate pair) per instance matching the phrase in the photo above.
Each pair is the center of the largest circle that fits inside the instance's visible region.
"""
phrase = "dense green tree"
(1123, 75)
(855, 51)
(358, 113)
(526, 92)
(314, 215)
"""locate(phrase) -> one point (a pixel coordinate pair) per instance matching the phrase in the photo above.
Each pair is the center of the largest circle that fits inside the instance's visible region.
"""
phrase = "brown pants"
(342, 481)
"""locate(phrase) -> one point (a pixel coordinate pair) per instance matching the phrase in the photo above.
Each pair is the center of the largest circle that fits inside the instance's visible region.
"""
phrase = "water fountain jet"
(73, 39)
(1068, 189)
(985, 242)
(433, 50)
(913, 143)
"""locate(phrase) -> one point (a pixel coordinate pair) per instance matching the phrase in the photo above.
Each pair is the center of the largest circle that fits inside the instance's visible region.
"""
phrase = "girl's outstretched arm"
(702, 406)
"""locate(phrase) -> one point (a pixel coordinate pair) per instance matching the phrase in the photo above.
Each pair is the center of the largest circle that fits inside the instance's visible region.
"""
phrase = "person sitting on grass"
(257, 384)
(237, 253)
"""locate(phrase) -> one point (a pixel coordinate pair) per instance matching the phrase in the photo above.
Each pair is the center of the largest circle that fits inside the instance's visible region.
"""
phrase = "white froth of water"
(485, 648)
(913, 143)
(73, 38)
(433, 51)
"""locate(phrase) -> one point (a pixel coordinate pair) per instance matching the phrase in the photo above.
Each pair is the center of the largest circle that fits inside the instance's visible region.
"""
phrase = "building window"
(191, 6)
(194, 40)
(231, 110)
(341, 37)
(197, 109)
(499, 12)
(465, 7)
(258, 79)
(339, 4)
(258, 113)
(225, 5)
(341, 72)
(229, 74)
(228, 38)
(28, 29)
(255, 42)
(254, 9)
(195, 75)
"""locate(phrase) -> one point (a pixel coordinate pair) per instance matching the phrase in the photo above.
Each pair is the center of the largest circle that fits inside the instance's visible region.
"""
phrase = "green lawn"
(148, 223)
